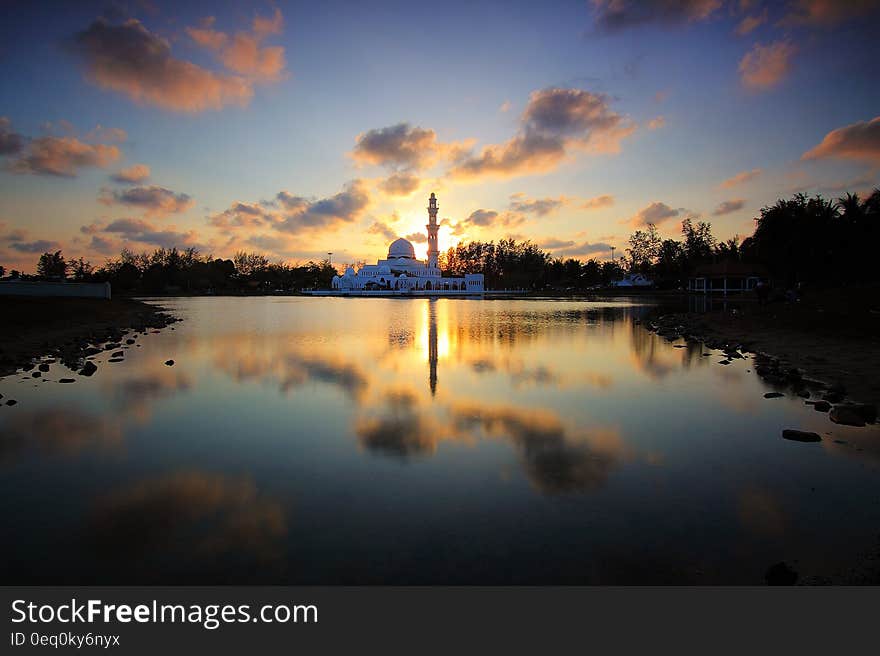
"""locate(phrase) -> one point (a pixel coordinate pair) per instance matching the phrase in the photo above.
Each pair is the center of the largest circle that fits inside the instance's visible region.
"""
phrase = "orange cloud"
(133, 174)
(750, 23)
(655, 213)
(741, 178)
(243, 52)
(154, 200)
(598, 202)
(858, 141)
(764, 67)
(131, 60)
(400, 147)
(60, 156)
(729, 207)
(827, 13)
(554, 122)
(400, 184)
(614, 15)
(656, 123)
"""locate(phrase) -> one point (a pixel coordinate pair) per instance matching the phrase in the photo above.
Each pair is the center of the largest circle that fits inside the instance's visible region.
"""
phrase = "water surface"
(332, 440)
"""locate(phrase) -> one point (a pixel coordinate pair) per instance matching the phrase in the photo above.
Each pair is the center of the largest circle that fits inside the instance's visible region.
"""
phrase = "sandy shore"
(67, 328)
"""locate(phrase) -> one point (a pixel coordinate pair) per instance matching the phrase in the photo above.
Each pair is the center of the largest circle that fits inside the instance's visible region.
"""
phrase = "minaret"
(432, 227)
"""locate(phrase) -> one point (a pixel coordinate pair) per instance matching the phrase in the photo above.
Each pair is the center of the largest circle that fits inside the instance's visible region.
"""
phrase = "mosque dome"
(349, 271)
(401, 248)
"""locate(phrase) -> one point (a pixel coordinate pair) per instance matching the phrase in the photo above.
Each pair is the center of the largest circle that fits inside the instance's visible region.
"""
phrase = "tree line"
(800, 240)
(175, 270)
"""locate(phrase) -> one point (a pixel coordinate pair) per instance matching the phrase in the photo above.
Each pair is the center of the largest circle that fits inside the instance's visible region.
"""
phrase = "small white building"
(633, 280)
(401, 272)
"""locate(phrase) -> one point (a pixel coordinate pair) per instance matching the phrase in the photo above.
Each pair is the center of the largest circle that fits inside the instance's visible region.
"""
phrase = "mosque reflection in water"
(326, 440)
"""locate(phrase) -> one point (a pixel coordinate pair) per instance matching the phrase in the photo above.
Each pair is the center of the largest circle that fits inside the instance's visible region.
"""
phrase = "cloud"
(764, 66)
(243, 52)
(729, 207)
(553, 244)
(656, 123)
(482, 218)
(616, 15)
(857, 141)
(13, 234)
(62, 156)
(133, 174)
(129, 226)
(655, 213)
(537, 206)
(154, 200)
(102, 245)
(555, 121)
(129, 59)
(582, 250)
(344, 207)
(400, 184)
(505, 106)
(290, 213)
(598, 202)
(827, 13)
(383, 230)
(417, 237)
(11, 142)
(241, 215)
(38, 246)
(741, 178)
(750, 23)
(400, 146)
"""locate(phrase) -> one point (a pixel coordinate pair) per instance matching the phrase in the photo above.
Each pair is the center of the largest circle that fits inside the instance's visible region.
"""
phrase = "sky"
(297, 129)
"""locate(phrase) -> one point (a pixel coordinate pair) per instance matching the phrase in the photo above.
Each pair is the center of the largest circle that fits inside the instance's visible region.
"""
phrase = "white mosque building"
(401, 273)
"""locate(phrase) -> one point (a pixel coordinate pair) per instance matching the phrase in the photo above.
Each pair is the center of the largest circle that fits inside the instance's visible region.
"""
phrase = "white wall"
(66, 289)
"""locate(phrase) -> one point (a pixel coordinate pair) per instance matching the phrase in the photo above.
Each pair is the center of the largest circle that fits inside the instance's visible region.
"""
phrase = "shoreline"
(829, 342)
(70, 329)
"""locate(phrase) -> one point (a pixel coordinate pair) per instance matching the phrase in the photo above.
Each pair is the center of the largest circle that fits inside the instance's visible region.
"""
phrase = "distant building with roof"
(729, 276)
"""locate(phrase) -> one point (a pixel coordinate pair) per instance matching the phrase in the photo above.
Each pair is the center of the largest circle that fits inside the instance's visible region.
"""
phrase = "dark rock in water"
(804, 394)
(820, 406)
(116, 360)
(800, 436)
(44, 367)
(67, 380)
(847, 415)
(707, 355)
(36, 374)
(734, 354)
(170, 363)
(780, 574)
(129, 341)
(88, 368)
(773, 395)
(724, 362)
(868, 411)
(111, 346)
(832, 396)
(840, 441)
(680, 346)
(118, 354)
(92, 351)
(11, 402)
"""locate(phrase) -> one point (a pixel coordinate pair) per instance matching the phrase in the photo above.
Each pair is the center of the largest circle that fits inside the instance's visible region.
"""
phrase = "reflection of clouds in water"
(399, 429)
(57, 431)
(187, 517)
(521, 375)
(289, 367)
(556, 460)
(136, 393)
(760, 512)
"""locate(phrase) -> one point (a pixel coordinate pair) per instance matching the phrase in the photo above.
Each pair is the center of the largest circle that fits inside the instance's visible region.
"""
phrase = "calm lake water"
(325, 440)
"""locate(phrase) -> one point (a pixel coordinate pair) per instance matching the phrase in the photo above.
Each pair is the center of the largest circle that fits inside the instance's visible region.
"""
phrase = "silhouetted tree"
(52, 265)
